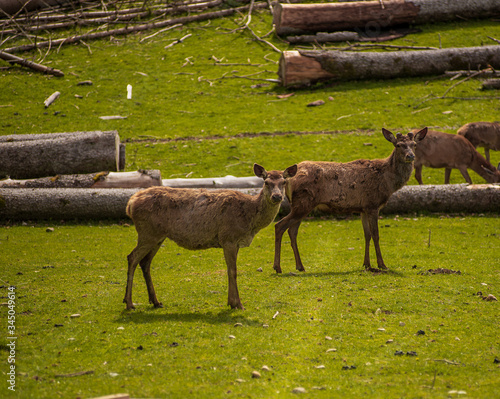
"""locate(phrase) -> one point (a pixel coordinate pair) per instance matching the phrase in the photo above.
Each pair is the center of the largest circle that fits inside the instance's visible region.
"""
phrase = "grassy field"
(334, 330)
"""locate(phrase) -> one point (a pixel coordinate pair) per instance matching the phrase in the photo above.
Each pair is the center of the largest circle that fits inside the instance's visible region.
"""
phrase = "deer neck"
(265, 209)
(401, 171)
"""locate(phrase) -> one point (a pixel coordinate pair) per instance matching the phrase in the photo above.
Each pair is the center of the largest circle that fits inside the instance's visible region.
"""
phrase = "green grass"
(192, 118)
(82, 268)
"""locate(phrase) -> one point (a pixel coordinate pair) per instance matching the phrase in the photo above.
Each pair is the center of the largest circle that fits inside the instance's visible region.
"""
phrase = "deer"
(198, 219)
(452, 151)
(361, 186)
(482, 134)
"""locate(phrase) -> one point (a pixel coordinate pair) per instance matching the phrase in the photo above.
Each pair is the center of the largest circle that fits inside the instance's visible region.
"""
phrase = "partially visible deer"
(452, 151)
(362, 186)
(482, 134)
(200, 219)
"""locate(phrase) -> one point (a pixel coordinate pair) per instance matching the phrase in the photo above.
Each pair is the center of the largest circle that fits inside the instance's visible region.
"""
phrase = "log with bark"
(27, 156)
(216, 182)
(447, 198)
(137, 179)
(80, 203)
(370, 17)
(30, 64)
(491, 84)
(299, 68)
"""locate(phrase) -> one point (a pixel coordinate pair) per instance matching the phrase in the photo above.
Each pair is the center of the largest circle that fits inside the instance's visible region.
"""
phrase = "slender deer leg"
(137, 254)
(487, 153)
(368, 237)
(373, 219)
(231, 254)
(279, 230)
(146, 271)
(447, 173)
(292, 232)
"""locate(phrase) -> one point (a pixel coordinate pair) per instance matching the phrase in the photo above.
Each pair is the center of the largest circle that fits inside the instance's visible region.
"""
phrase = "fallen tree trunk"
(39, 155)
(491, 84)
(12, 7)
(299, 68)
(369, 17)
(141, 178)
(30, 64)
(68, 203)
(216, 182)
(446, 198)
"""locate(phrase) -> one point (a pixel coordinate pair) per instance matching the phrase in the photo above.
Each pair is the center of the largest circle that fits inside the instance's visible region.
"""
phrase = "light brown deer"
(200, 219)
(362, 186)
(482, 134)
(452, 151)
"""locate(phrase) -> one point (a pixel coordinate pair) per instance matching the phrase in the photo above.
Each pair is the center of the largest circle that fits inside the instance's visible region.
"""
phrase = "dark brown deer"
(452, 151)
(362, 186)
(482, 134)
(200, 219)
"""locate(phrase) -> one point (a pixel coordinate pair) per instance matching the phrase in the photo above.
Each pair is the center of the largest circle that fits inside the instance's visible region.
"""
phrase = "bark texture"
(370, 17)
(297, 68)
(141, 178)
(449, 198)
(40, 155)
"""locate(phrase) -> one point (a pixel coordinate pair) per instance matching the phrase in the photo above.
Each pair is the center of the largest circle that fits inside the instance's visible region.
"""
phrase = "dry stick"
(30, 64)
(178, 41)
(126, 30)
(160, 31)
(392, 46)
(460, 82)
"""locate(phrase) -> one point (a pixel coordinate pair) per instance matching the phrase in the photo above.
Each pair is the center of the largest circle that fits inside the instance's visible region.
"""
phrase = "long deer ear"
(421, 135)
(259, 171)
(290, 171)
(389, 136)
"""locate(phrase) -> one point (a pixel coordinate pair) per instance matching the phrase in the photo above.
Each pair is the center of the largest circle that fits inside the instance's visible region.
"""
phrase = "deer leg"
(231, 254)
(447, 173)
(487, 153)
(465, 174)
(146, 271)
(418, 174)
(292, 232)
(368, 237)
(373, 218)
(279, 230)
(137, 254)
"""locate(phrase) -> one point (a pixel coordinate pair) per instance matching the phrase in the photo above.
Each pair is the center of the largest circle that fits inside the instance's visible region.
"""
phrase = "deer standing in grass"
(452, 151)
(200, 219)
(361, 186)
(482, 134)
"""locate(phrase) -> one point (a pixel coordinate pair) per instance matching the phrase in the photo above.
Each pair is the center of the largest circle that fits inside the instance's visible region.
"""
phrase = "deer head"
(405, 145)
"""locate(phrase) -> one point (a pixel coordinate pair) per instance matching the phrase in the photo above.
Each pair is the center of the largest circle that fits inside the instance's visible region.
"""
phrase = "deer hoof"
(158, 305)
(278, 269)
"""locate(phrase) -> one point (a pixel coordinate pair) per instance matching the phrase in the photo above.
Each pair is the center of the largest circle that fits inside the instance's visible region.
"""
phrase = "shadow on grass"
(337, 273)
(152, 315)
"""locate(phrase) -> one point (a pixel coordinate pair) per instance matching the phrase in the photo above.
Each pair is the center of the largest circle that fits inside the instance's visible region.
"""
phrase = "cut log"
(369, 17)
(446, 198)
(81, 203)
(40, 155)
(216, 182)
(299, 68)
(141, 178)
(491, 84)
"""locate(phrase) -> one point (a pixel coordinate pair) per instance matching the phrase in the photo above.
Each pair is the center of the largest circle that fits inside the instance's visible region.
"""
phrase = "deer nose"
(276, 198)
(410, 157)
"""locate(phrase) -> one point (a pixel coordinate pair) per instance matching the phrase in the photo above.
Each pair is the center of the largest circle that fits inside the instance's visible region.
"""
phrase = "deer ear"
(421, 135)
(389, 136)
(259, 171)
(290, 171)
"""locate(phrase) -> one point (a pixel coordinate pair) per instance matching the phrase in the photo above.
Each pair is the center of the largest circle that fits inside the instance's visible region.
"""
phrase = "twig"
(160, 31)
(264, 41)
(447, 362)
(178, 41)
(30, 64)
(460, 82)
(492, 38)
